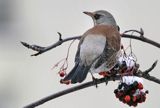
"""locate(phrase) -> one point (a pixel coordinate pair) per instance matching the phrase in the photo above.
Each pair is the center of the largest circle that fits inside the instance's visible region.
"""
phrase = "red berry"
(68, 82)
(144, 98)
(133, 91)
(127, 98)
(61, 81)
(134, 98)
(62, 74)
(117, 96)
(140, 86)
(120, 93)
(134, 104)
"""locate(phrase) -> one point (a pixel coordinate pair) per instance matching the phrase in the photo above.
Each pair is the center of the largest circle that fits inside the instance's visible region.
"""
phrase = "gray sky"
(24, 79)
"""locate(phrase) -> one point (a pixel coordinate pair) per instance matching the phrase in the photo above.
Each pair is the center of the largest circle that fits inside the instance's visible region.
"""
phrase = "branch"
(41, 50)
(67, 91)
(143, 39)
(144, 74)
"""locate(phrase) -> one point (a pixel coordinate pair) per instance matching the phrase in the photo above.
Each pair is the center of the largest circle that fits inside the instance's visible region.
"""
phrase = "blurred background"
(25, 79)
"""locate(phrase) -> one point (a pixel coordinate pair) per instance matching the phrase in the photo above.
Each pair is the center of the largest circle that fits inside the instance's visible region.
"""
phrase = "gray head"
(102, 17)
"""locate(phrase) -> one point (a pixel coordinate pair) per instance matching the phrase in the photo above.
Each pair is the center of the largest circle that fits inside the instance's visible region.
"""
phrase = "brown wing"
(112, 42)
(112, 45)
(105, 56)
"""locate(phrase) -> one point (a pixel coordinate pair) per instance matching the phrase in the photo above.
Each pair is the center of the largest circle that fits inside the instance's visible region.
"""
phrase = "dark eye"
(97, 16)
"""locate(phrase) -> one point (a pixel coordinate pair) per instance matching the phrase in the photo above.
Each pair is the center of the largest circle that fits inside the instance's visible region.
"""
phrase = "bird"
(98, 48)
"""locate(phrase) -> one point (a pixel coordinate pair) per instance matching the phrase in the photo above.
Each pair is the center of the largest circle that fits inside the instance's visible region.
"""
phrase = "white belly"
(91, 48)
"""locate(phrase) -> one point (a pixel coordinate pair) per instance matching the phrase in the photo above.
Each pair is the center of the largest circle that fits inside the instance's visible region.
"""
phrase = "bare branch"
(143, 39)
(146, 74)
(92, 83)
(151, 68)
(33, 47)
(141, 32)
(41, 50)
(69, 90)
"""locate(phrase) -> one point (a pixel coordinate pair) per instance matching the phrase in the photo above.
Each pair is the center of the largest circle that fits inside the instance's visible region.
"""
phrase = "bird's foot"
(95, 81)
(106, 80)
(105, 75)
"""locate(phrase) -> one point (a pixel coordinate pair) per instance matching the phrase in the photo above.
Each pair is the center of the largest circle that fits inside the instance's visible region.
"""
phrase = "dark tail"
(77, 74)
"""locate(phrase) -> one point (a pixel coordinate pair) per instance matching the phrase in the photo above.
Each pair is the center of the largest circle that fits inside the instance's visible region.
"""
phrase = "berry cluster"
(62, 73)
(131, 94)
(126, 66)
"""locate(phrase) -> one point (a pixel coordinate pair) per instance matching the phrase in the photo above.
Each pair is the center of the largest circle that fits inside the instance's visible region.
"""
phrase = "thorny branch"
(144, 74)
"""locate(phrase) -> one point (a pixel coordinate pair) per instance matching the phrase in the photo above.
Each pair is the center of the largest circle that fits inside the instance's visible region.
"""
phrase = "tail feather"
(70, 75)
(77, 74)
(84, 73)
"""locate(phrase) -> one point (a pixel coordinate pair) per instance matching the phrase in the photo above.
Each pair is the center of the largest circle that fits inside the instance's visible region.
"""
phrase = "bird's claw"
(95, 81)
(106, 80)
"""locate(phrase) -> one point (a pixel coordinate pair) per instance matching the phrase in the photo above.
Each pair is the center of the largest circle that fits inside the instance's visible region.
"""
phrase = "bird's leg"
(106, 80)
(105, 75)
(94, 80)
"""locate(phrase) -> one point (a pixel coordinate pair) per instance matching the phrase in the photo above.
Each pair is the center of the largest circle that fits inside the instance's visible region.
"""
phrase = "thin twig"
(141, 32)
(144, 39)
(146, 74)
(92, 83)
(41, 50)
(151, 68)
(60, 36)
